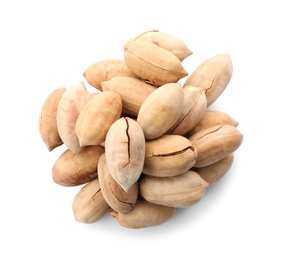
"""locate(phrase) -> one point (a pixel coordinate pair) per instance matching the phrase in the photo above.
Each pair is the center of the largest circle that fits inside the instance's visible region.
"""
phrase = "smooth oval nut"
(104, 70)
(179, 191)
(72, 169)
(169, 155)
(160, 110)
(89, 205)
(166, 41)
(193, 109)
(215, 143)
(214, 172)
(144, 214)
(212, 118)
(47, 120)
(70, 105)
(153, 63)
(214, 74)
(116, 197)
(97, 116)
(125, 151)
(132, 91)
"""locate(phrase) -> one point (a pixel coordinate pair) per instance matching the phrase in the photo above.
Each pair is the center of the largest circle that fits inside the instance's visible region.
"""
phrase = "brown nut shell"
(47, 120)
(193, 109)
(212, 118)
(104, 70)
(125, 151)
(214, 172)
(116, 197)
(166, 41)
(169, 155)
(153, 63)
(145, 214)
(72, 169)
(70, 105)
(179, 191)
(97, 116)
(213, 75)
(132, 91)
(215, 143)
(160, 110)
(89, 205)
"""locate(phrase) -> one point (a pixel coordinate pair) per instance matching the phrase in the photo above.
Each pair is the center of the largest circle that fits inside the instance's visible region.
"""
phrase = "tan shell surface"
(213, 75)
(70, 105)
(169, 155)
(89, 205)
(72, 169)
(160, 110)
(179, 191)
(116, 197)
(166, 41)
(104, 70)
(132, 91)
(153, 63)
(215, 143)
(47, 119)
(214, 172)
(193, 109)
(212, 118)
(145, 214)
(125, 151)
(97, 116)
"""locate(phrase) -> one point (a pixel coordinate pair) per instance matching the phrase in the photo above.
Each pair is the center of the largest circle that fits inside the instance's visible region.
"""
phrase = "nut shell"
(169, 155)
(72, 169)
(179, 191)
(116, 197)
(89, 205)
(125, 151)
(215, 143)
(47, 120)
(160, 110)
(153, 63)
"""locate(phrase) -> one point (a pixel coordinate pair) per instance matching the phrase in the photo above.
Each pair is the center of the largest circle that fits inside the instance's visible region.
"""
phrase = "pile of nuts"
(142, 145)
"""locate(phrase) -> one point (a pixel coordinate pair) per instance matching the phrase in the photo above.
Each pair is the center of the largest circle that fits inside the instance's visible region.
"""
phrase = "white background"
(48, 44)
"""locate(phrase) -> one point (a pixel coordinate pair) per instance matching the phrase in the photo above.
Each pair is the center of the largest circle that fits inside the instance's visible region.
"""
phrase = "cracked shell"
(169, 155)
(89, 205)
(212, 118)
(166, 41)
(153, 63)
(116, 197)
(213, 75)
(125, 151)
(145, 214)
